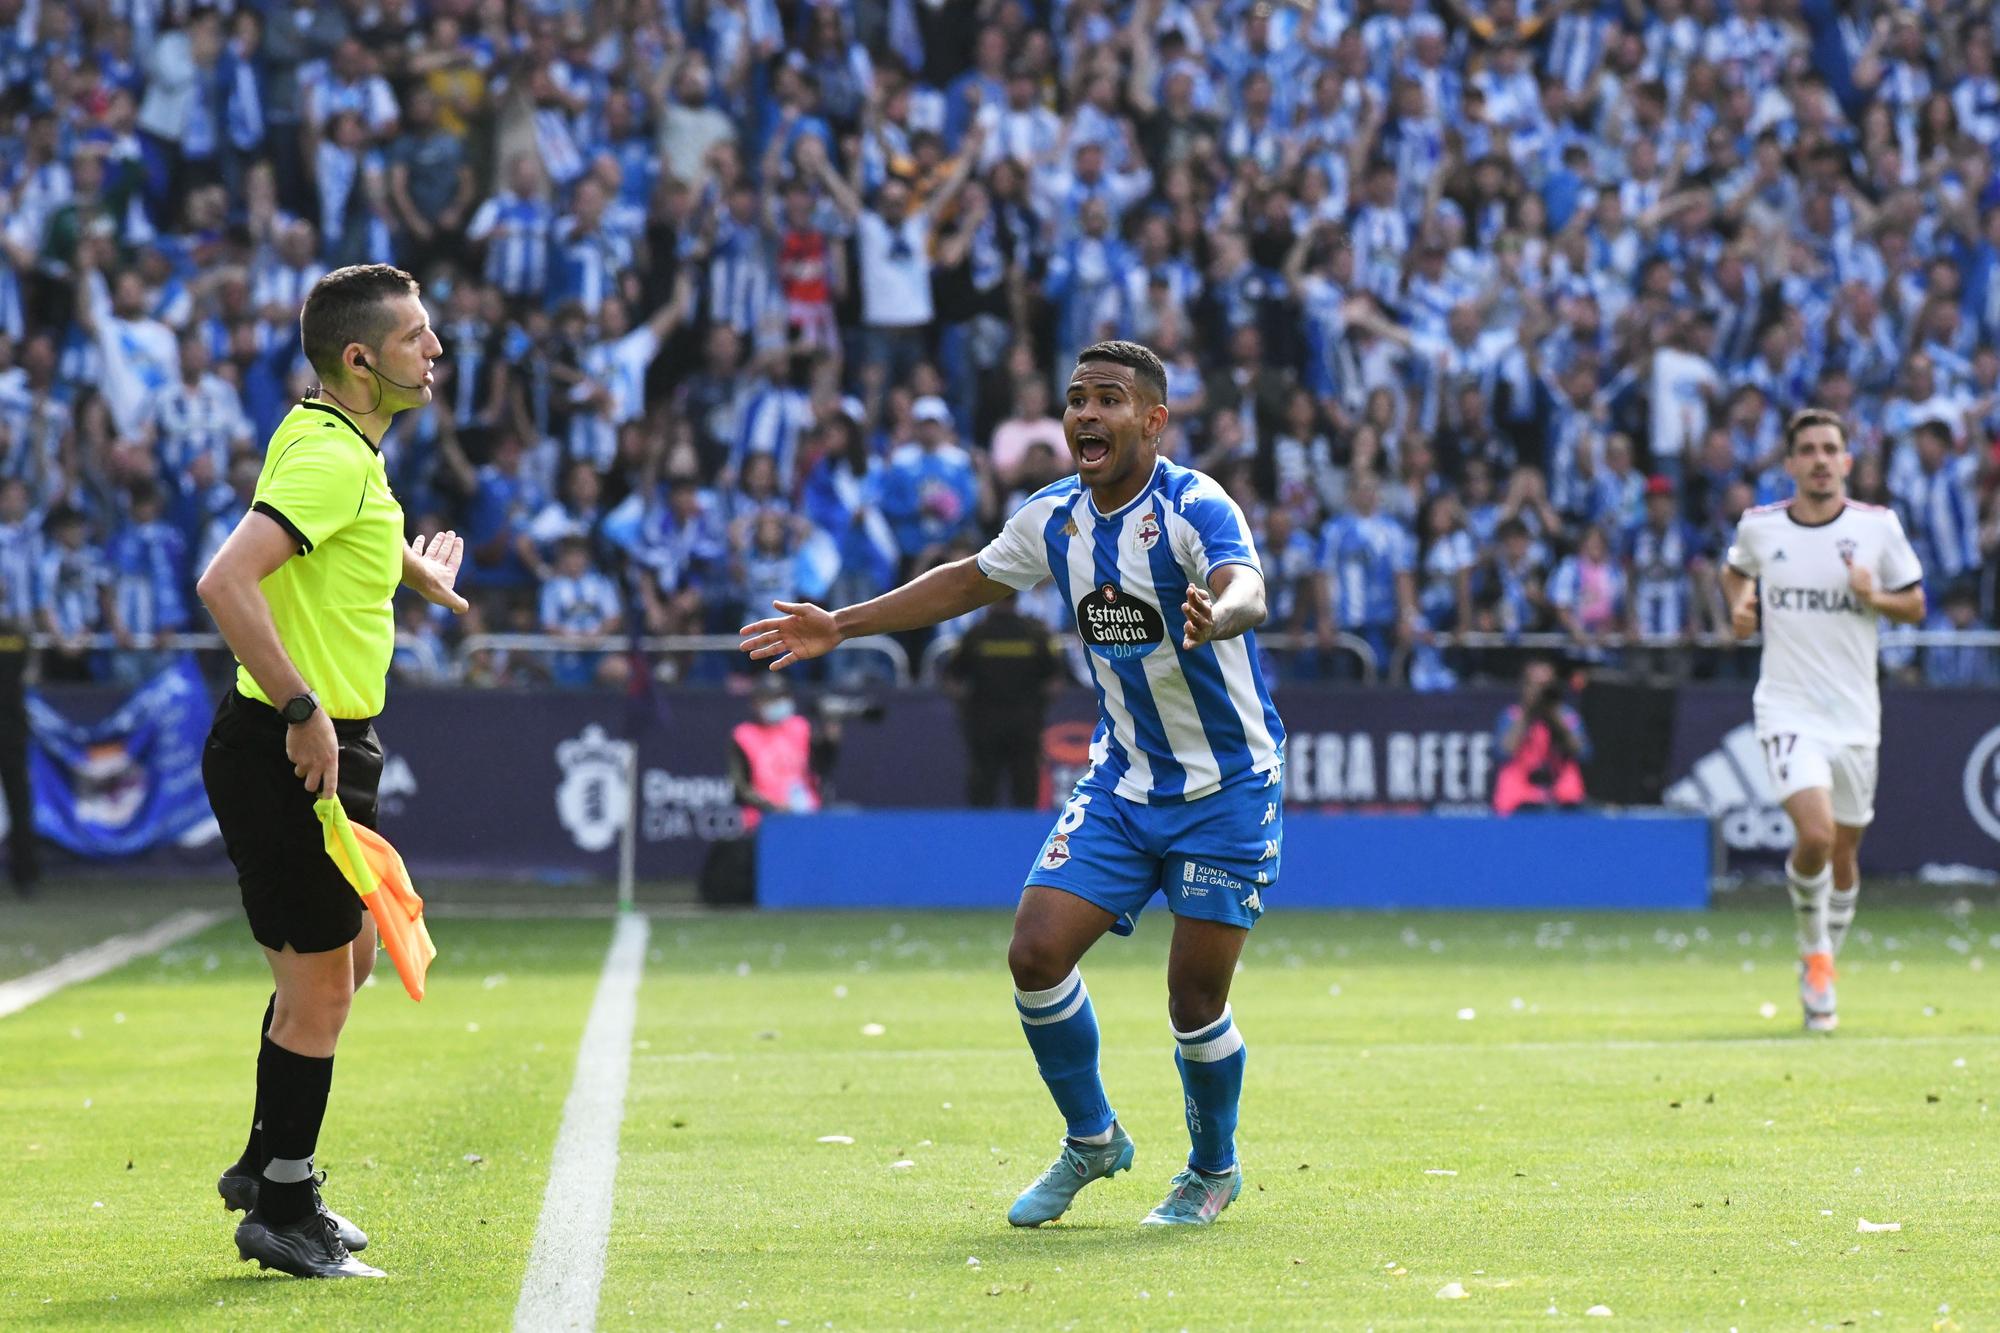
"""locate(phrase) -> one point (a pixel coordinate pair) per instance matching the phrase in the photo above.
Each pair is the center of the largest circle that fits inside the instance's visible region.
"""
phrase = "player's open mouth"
(1092, 449)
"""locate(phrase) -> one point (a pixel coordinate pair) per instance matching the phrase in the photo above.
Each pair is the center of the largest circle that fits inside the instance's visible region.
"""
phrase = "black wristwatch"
(300, 709)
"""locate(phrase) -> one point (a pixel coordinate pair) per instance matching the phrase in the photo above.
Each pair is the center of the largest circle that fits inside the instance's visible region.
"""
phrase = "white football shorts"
(1798, 761)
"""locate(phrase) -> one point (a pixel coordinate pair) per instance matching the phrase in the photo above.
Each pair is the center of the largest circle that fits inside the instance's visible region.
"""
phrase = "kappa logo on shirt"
(1778, 558)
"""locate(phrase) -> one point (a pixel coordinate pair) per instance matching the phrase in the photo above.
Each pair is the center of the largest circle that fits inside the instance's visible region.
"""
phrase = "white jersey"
(1820, 640)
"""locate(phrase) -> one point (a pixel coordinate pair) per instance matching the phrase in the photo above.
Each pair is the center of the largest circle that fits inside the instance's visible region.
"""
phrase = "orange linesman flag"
(377, 873)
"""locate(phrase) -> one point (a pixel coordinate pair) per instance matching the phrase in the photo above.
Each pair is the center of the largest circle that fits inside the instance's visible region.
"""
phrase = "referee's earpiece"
(362, 362)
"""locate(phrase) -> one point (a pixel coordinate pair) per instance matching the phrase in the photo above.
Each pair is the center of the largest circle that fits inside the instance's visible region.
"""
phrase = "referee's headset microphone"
(362, 363)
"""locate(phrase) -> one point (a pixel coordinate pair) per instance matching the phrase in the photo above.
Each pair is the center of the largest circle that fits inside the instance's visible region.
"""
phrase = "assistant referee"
(302, 592)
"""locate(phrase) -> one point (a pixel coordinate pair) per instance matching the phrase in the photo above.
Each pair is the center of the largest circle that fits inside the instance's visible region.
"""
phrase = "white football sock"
(1809, 903)
(1840, 914)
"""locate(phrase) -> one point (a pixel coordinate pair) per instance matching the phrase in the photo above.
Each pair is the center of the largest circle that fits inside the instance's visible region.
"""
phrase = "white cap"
(931, 408)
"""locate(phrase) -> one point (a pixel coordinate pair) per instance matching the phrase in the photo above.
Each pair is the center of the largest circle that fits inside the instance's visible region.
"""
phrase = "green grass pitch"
(1554, 1114)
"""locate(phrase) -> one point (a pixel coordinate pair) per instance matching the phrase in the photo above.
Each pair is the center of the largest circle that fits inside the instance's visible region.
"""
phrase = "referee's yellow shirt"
(325, 485)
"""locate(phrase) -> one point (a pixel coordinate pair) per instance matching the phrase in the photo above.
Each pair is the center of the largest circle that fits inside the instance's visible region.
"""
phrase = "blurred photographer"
(779, 761)
(1543, 746)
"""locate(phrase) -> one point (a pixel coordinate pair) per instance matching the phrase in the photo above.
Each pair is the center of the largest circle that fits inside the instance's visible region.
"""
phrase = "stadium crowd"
(1487, 312)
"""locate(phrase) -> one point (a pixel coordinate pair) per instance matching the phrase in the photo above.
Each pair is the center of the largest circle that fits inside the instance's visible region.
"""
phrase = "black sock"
(252, 1160)
(292, 1090)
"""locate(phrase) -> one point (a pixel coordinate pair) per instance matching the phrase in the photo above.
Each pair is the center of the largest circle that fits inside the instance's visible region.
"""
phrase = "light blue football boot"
(1050, 1196)
(1196, 1199)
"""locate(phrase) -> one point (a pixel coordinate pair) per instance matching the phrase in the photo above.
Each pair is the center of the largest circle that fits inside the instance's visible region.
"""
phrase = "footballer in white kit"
(1822, 569)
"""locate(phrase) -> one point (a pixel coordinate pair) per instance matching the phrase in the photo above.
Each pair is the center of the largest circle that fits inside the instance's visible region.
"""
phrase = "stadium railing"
(658, 645)
(1363, 652)
(931, 664)
(666, 645)
(1897, 640)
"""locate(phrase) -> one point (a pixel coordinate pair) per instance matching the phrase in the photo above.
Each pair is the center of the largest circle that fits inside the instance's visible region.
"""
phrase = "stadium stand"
(1488, 314)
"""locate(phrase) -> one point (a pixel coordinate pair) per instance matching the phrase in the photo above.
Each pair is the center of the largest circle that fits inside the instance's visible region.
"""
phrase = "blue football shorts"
(1213, 858)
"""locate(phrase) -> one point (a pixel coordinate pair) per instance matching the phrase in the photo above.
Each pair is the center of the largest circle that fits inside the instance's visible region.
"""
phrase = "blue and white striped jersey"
(585, 603)
(618, 365)
(69, 586)
(206, 418)
(274, 282)
(1173, 725)
(20, 559)
(1662, 592)
(12, 321)
(147, 566)
(516, 233)
(586, 264)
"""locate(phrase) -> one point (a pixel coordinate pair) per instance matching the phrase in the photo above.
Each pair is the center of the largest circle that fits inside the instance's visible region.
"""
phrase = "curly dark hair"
(1143, 361)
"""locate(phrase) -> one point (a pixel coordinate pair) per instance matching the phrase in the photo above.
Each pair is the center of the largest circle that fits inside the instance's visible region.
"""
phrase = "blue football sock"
(1211, 1063)
(1062, 1032)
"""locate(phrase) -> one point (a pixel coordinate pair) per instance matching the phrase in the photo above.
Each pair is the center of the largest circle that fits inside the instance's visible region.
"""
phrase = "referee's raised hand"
(431, 568)
(314, 750)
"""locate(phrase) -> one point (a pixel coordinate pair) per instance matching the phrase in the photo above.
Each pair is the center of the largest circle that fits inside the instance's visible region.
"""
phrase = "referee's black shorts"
(292, 891)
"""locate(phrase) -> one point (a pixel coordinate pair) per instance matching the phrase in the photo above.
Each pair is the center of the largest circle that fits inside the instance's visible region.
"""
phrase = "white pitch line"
(566, 1266)
(100, 958)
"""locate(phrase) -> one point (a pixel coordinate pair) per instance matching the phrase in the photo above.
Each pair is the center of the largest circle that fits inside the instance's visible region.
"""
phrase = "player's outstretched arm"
(804, 631)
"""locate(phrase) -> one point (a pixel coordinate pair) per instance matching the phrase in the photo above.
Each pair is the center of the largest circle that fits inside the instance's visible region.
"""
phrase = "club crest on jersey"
(1057, 854)
(1117, 625)
(1846, 548)
(1148, 531)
